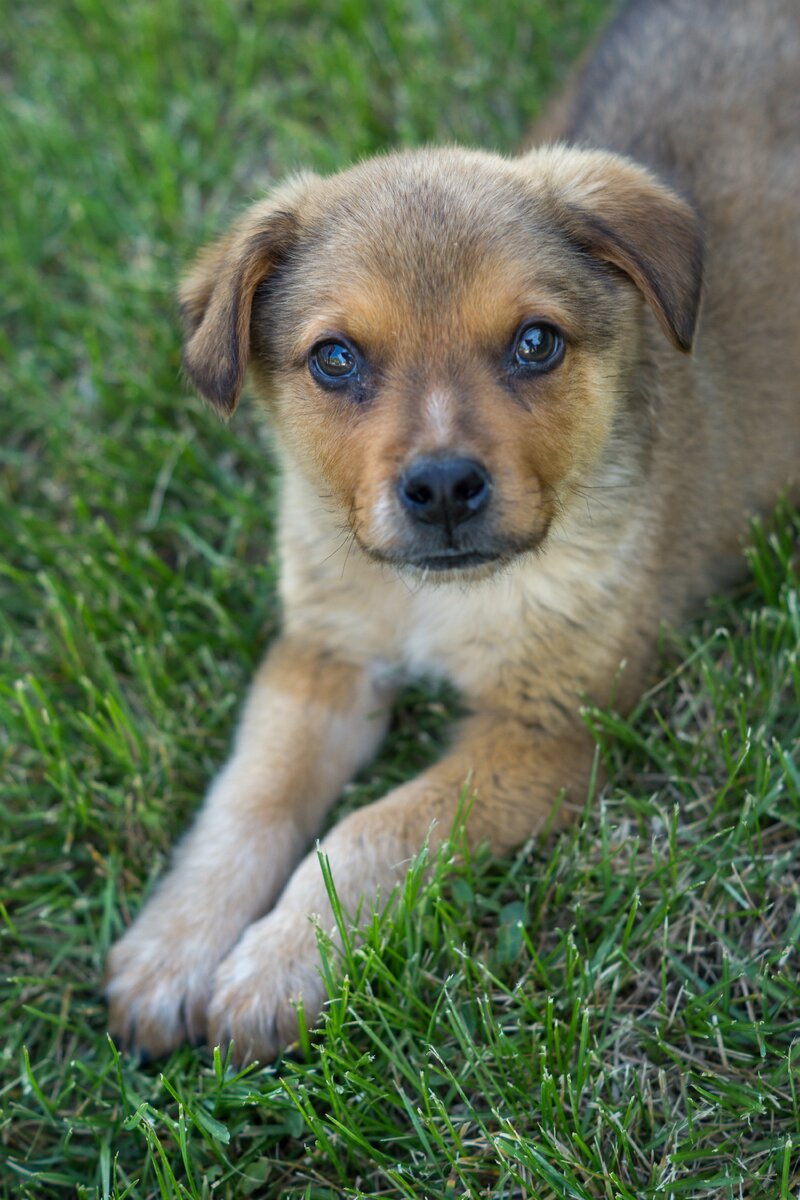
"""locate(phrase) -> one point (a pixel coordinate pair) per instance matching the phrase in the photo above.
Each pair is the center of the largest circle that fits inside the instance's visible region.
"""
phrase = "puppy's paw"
(257, 988)
(158, 981)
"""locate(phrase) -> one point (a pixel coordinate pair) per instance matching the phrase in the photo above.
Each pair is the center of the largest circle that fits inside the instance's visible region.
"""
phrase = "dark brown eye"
(332, 362)
(539, 346)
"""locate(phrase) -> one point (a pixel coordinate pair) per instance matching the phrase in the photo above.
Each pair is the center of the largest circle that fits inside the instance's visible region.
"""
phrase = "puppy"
(500, 464)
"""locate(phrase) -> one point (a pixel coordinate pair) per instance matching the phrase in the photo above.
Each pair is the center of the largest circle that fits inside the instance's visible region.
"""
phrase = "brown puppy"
(499, 465)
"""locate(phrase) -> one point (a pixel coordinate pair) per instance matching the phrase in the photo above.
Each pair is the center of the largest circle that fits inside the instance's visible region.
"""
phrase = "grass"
(614, 1013)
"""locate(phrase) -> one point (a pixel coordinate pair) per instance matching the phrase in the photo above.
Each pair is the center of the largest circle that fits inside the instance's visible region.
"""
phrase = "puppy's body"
(598, 490)
(713, 107)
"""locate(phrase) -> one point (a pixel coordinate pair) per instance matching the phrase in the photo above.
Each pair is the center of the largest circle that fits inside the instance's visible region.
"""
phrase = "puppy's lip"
(454, 560)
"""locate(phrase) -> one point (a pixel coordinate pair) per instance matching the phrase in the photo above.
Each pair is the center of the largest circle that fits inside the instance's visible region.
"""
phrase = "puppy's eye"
(332, 362)
(539, 346)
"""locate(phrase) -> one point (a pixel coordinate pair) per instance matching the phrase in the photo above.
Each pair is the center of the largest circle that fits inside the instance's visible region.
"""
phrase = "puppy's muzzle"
(444, 492)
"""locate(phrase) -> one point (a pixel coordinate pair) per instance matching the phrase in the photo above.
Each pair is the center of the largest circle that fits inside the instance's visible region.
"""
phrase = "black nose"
(444, 491)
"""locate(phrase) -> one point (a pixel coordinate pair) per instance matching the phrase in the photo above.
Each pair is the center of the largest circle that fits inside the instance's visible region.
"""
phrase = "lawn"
(612, 1013)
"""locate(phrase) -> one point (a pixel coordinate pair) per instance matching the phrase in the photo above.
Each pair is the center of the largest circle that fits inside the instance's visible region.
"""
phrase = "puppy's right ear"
(216, 297)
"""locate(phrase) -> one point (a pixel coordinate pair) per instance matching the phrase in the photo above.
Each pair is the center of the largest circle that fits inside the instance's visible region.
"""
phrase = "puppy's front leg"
(514, 772)
(310, 721)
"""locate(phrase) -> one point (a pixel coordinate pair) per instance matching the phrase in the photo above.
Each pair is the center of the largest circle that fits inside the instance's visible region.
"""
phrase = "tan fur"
(621, 479)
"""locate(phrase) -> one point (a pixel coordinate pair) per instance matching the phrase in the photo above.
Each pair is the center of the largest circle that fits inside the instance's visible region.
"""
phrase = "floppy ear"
(618, 212)
(216, 297)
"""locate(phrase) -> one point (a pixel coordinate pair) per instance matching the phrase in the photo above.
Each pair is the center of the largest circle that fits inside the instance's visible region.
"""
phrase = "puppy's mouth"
(453, 560)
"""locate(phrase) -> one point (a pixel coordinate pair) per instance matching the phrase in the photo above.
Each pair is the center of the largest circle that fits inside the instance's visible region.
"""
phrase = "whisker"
(348, 536)
(351, 543)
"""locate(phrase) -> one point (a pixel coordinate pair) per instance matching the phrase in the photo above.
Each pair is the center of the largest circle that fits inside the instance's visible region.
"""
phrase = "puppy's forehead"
(440, 211)
(432, 232)
(422, 208)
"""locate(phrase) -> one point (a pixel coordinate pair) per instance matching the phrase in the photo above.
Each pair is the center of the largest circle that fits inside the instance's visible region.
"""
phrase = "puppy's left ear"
(620, 213)
(216, 297)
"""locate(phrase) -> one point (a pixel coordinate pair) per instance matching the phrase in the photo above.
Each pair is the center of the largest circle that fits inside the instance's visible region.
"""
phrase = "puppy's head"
(442, 337)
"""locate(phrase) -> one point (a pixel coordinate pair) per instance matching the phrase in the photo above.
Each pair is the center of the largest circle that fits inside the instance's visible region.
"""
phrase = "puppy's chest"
(462, 635)
(469, 634)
